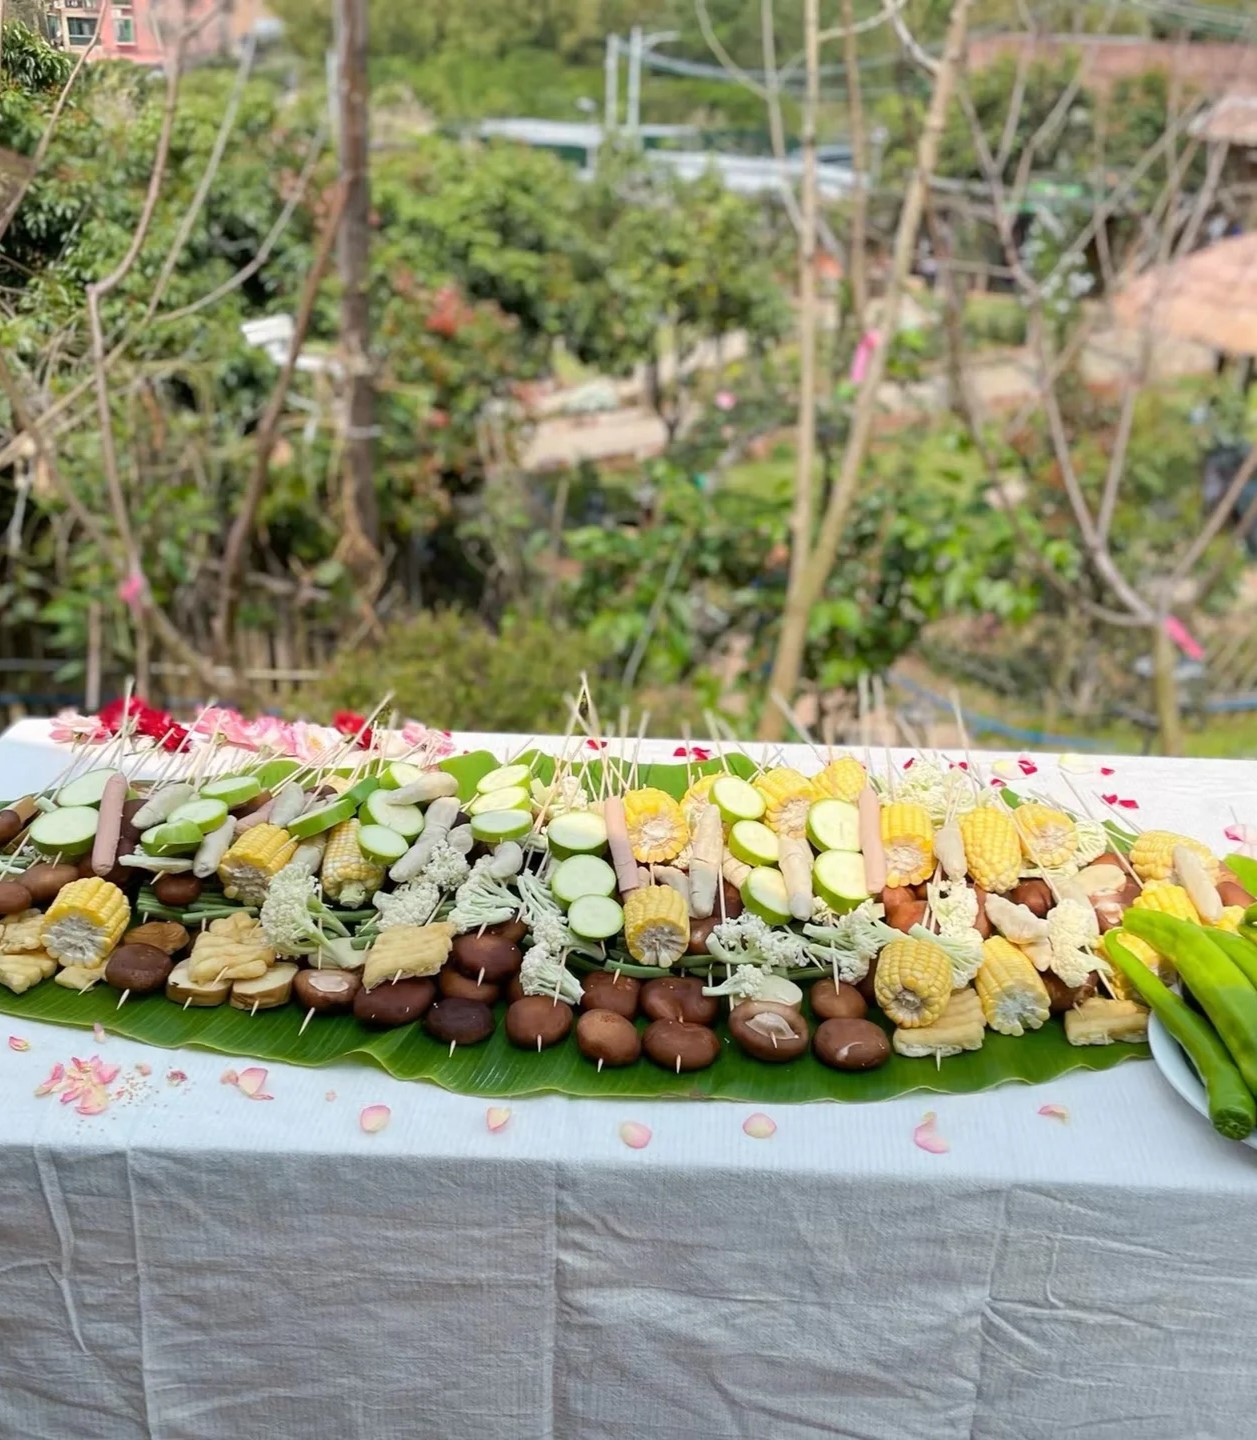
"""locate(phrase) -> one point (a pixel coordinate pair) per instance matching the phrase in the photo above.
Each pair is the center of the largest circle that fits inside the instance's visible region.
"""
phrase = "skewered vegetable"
(267, 992)
(870, 808)
(1047, 835)
(109, 828)
(409, 951)
(908, 839)
(1202, 893)
(656, 925)
(796, 871)
(708, 842)
(960, 1027)
(439, 820)
(787, 798)
(1100, 1022)
(1167, 899)
(841, 779)
(252, 859)
(85, 922)
(992, 850)
(233, 948)
(1014, 998)
(949, 846)
(913, 982)
(656, 827)
(1152, 854)
(210, 852)
(348, 875)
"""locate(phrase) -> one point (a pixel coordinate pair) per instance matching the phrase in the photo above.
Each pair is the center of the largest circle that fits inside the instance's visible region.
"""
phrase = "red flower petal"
(1129, 804)
(592, 744)
(997, 783)
(1027, 767)
(1106, 770)
(1109, 799)
(909, 762)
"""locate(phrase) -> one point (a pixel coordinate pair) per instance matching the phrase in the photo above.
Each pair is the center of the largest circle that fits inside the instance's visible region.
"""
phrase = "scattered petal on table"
(997, 783)
(93, 1103)
(1055, 1112)
(1027, 766)
(142, 1069)
(17, 1043)
(496, 1116)
(635, 1135)
(1107, 770)
(1244, 838)
(229, 1077)
(592, 744)
(374, 1118)
(55, 1077)
(759, 1126)
(908, 763)
(926, 1137)
(250, 1082)
(331, 1095)
(98, 1033)
(175, 1077)
(1006, 768)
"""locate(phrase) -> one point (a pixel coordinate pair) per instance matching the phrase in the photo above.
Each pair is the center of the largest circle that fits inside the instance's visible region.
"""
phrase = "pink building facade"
(141, 30)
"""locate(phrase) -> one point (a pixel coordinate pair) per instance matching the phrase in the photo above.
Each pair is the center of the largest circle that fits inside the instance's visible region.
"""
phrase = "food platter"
(1172, 1061)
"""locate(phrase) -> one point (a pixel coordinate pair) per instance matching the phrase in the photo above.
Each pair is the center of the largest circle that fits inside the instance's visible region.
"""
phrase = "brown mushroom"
(177, 890)
(768, 1031)
(454, 984)
(167, 935)
(674, 1045)
(841, 1002)
(140, 969)
(537, 1021)
(459, 1022)
(487, 958)
(605, 990)
(851, 1045)
(1062, 997)
(327, 991)
(14, 897)
(606, 1036)
(396, 1002)
(678, 998)
(1035, 895)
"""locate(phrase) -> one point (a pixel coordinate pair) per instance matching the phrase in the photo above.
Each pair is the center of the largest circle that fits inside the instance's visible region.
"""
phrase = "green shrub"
(450, 670)
(995, 320)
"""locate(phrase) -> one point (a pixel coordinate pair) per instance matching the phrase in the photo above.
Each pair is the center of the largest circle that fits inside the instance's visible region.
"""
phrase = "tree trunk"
(857, 270)
(1165, 689)
(807, 579)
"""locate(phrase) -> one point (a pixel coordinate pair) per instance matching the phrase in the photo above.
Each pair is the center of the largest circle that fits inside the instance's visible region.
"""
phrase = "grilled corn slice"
(992, 850)
(961, 1026)
(233, 948)
(19, 972)
(787, 796)
(913, 982)
(656, 924)
(1169, 899)
(348, 875)
(696, 799)
(247, 867)
(408, 950)
(656, 826)
(21, 933)
(1152, 855)
(1014, 998)
(85, 922)
(908, 836)
(1099, 1022)
(841, 779)
(1047, 835)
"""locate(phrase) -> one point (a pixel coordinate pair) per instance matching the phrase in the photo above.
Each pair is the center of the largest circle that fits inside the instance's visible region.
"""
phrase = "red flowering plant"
(348, 722)
(145, 720)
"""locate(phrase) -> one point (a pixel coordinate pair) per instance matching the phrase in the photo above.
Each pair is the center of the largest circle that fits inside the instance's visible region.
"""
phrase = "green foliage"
(993, 319)
(449, 668)
(30, 63)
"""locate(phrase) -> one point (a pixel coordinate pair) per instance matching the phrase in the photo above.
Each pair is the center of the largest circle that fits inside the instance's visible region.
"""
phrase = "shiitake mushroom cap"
(677, 997)
(668, 1041)
(851, 1045)
(465, 1022)
(327, 990)
(607, 1036)
(396, 1002)
(768, 1031)
(497, 956)
(14, 897)
(453, 984)
(138, 968)
(44, 880)
(537, 1017)
(843, 1002)
(604, 990)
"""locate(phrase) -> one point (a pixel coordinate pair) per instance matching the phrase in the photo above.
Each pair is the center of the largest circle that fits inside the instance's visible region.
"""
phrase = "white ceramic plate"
(1172, 1061)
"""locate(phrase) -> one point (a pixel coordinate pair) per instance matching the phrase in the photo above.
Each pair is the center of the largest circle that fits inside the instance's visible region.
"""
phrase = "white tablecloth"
(193, 1263)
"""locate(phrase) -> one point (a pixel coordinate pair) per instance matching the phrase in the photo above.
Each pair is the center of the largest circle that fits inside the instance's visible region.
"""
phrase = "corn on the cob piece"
(408, 951)
(1160, 966)
(1152, 855)
(696, 800)
(656, 827)
(247, 867)
(992, 850)
(961, 1026)
(21, 934)
(1047, 835)
(841, 779)
(85, 922)
(1230, 919)
(656, 925)
(1099, 1022)
(1167, 898)
(19, 972)
(1014, 997)
(787, 796)
(79, 977)
(913, 982)
(233, 948)
(348, 875)
(908, 836)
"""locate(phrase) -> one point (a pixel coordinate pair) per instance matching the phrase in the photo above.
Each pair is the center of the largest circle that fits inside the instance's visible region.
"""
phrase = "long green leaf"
(499, 1070)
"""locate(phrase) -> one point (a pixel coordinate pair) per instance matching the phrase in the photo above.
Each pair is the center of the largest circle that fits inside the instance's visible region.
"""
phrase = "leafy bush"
(995, 320)
(450, 670)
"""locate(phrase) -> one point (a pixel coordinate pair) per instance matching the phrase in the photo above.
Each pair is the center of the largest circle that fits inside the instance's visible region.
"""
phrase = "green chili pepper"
(1239, 950)
(1245, 871)
(1224, 992)
(1231, 1106)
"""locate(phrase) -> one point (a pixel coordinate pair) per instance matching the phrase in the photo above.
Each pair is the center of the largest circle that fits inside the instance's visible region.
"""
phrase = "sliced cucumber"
(362, 789)
(67, 831)
(86, 790)
(838, 878)
(398, 773)
(498, 825)
(764, 894)
(322, 817)
(232, 790)
(595, 917)
(172, 837)
(206, 815)
(753, 843)
(578, 832)
(505, 777)
(581, 875)
(737, 799)
(406, 820)
(834, 825)
(511, 797)
(378, 842)
(273, 773)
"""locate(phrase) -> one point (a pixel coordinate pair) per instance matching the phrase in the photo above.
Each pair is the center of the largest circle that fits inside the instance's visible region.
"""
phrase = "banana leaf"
(497, 1069)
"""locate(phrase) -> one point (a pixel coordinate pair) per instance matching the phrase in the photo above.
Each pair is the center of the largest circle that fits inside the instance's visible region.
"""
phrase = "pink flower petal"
(1055, 1112)
(909, 762)
(635, 1135)
(98, 1033)
(1129, 804)
(1027, 767)
(93, 1104)
(17, 1043)
(926, 1137)
(997, 783)
(1109, 799)
(101, 1073)
(759, 1126)
(250, 1082)
(1107, 770)
(374, 1118)
(175, 1077)
(229, 1077)
(496, 1116)
(331, 1095)
(592, 744)
(142, 1069)
(55, 1076)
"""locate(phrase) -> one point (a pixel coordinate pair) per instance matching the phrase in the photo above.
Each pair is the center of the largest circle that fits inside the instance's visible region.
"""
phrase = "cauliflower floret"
(944, 793)
(963, 948)
(482, 899)
(748, 940)
(851, 942)
(413, 903)
(543, 973)
(1072, 931)
(953, 905)
(1093, 841)
(293, 915)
